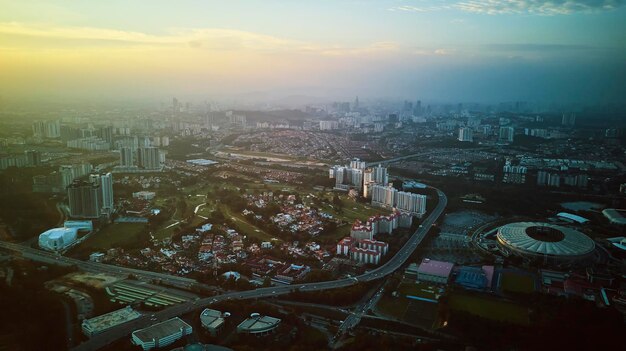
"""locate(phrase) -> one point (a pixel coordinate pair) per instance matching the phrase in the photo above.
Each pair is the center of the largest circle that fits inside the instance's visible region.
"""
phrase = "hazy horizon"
(500, 50)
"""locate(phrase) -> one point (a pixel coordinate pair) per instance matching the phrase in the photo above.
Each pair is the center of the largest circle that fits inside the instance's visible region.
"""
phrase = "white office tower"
(356, 178)
(47, 129)
(412, 203)
(149, 158)
(329, 125)
(357, 164)
(127, 158)
(380, 175)
(389, 197)
(466, 134)
(332, 172)
(383, 196)
(507, 134)
(106, 185)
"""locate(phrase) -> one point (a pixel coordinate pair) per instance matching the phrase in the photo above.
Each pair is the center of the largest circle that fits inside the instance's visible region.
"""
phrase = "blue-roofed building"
(472, 278)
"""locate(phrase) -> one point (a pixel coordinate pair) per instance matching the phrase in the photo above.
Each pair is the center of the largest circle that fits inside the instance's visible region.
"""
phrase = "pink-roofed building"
(344, 246)
(378, 246)
(434, 271)
(362, 230)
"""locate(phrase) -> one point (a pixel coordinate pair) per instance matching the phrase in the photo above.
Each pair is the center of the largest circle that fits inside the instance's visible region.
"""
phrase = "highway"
(406, 157)
(123, 330)
(94, 267)
(354, 318)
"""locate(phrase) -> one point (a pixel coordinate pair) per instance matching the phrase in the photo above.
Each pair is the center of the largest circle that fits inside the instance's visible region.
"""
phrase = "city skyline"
(561, 51)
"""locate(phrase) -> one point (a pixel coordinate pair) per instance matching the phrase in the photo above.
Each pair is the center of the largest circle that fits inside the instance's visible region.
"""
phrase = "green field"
(246, 228)
(489, 308)
(115, 235)
(393, 306)
(517, 283)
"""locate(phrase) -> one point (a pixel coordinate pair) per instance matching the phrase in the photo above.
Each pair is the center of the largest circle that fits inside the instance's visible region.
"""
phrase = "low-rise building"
(161, 334)
(99, 324)
(434, 271)
(258, 325)
(212, 320)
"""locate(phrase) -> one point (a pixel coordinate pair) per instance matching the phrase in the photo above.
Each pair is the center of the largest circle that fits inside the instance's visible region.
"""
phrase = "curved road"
(123, 330)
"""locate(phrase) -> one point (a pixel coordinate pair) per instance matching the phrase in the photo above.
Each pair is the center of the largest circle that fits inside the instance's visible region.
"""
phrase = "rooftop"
(211, 318)
(57, 233)
(573, 217)
(544, 239)
(111, 319)
(161, 330)
(433, 267)
(615, 216)
(258, 324)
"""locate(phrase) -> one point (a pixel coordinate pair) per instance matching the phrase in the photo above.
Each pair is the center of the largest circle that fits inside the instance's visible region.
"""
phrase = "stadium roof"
(544, 239)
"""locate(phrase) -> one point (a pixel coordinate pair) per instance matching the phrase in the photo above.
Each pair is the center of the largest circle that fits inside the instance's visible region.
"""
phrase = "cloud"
(554, 7)
(16, 35)
(430, 8)
(531, 7)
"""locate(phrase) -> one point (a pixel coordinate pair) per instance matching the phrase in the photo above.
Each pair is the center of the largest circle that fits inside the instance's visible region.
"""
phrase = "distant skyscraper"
(126, 157)
(84, 199)
(507, 134)
(466, 134)
(175, 106)
(329, 125)
(356, 103)
(149, 158)
(47, 129)
(568, 119)
(380, 175)
(418, 108)
(33, 157)
(408, 106)
(105, 181)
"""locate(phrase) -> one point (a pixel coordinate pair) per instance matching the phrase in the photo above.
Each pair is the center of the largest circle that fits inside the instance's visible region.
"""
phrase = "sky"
(439, 50)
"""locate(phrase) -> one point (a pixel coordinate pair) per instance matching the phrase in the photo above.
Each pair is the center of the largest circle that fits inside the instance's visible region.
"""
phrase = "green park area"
(394, 307)
(203, 194)
(488, 307)
(245, 227)
(116, 235)
(517, 283)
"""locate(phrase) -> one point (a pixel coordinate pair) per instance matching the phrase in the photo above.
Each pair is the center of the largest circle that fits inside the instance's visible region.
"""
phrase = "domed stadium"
(547, 242)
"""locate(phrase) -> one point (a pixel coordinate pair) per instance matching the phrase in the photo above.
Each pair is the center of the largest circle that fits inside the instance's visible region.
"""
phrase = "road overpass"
(113, 334)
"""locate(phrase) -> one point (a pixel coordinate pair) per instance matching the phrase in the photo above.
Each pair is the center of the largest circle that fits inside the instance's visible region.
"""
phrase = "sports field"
(517, 283)
(490, 308)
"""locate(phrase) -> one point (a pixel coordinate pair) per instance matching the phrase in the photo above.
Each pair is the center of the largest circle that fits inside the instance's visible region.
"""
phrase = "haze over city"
(446, 51)
(342, 175)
